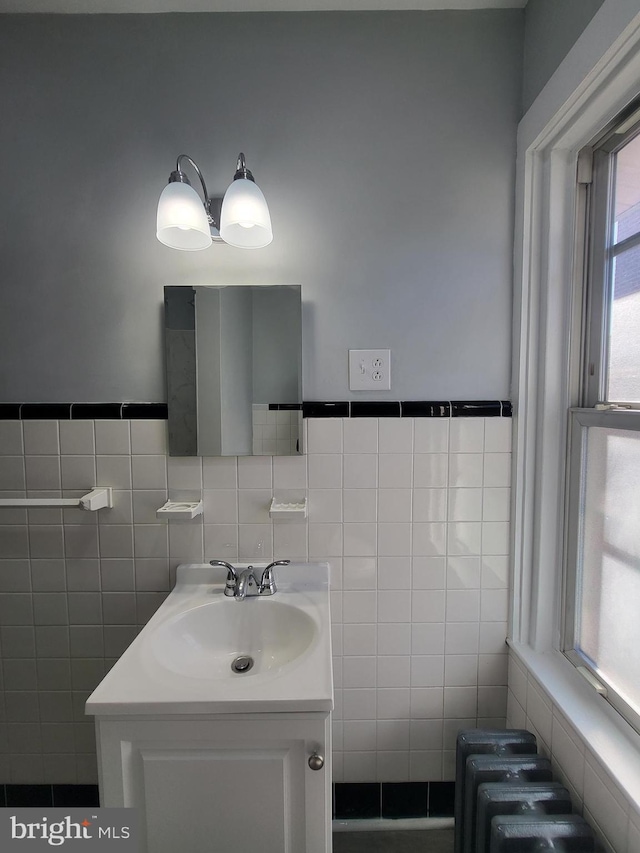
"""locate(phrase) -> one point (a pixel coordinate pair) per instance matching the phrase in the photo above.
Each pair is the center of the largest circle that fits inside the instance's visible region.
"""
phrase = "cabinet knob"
(316, 761)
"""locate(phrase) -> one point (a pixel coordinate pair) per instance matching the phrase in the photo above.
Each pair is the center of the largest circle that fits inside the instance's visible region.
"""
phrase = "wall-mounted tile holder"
(294, 511)
(180, 510)
(96, 499)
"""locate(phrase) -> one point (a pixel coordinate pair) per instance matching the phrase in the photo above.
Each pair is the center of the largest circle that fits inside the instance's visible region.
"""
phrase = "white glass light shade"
(245, 220)
(182, 219)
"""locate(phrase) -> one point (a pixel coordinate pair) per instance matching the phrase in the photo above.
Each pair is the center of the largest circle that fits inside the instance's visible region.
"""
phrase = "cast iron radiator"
(506, 800)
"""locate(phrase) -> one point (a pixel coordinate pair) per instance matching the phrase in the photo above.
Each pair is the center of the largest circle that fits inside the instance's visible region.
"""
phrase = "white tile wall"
(412, 515)
(594, 793)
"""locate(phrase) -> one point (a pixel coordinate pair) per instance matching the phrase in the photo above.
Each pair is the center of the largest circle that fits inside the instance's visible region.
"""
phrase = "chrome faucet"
(242, 584)
(247, 584)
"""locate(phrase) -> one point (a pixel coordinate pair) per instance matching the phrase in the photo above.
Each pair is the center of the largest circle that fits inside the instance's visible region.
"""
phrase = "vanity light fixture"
(241, 218)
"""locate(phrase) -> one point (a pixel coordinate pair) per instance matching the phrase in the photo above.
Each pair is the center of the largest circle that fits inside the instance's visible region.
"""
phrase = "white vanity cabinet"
(220, 784)
(213, 755)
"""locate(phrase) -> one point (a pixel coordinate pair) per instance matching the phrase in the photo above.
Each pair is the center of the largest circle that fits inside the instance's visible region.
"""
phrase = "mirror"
(234, 370)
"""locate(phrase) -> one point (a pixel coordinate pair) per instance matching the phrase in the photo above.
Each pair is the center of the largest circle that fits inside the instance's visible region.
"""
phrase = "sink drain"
(242, 663)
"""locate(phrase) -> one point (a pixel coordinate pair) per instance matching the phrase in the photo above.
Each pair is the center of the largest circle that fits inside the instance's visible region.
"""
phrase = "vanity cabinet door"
(221, 785)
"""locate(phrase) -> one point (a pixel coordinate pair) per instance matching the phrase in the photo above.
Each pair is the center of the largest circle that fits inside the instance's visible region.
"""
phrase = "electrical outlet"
(370, 369)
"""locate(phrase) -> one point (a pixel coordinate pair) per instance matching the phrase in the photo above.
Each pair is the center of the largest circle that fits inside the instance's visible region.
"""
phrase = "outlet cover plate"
(370, 369)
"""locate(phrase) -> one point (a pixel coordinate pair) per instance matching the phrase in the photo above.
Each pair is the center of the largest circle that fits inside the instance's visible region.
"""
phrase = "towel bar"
(96, 499)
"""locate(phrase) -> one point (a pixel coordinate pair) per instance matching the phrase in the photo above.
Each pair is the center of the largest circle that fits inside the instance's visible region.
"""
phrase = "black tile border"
(476, 409)
(25, 796)
(375, 409)
(310, 409)
(96, 411)
(404, 799)
(145, 411)
(45, 411)
(357, 800)
(441, 799)
(425, 409)
(325, 410)
(408, 409)
(352, 800)
(394, 800)
(76, 795)
(83, 411)
(39, 796)
(9, 411)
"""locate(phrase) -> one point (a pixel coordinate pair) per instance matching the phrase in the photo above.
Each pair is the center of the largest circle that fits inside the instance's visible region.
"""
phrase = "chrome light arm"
(241, 169)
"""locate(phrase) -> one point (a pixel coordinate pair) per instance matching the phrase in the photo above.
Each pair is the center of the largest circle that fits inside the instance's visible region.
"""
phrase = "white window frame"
(595, 196)
(596, 81)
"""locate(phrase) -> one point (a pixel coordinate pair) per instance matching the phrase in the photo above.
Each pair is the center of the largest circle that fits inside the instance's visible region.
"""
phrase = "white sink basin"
(204, 642)
(181, 662)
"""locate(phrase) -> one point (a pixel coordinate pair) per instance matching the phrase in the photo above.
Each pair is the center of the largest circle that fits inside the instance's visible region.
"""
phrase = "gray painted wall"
(551, 29)
(384, 143)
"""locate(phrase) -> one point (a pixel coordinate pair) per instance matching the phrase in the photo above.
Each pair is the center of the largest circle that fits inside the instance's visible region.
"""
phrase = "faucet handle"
(267, 582)
(232, 576)
(277, 563)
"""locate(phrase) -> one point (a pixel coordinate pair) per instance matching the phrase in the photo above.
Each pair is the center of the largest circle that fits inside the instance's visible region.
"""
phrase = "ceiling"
(123, 6)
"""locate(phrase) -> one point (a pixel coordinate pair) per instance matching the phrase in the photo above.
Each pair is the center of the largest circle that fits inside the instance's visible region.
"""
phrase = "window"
(602, 593)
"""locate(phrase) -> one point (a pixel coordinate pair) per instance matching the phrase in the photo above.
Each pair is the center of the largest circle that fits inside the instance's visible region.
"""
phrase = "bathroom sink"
(233, 639)
(205, 653)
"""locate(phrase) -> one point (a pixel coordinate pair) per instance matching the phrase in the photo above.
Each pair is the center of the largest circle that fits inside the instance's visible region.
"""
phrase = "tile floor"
(390, 841)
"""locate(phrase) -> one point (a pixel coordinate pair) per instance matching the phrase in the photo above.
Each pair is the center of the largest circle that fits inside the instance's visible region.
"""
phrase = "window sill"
(613, 742)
